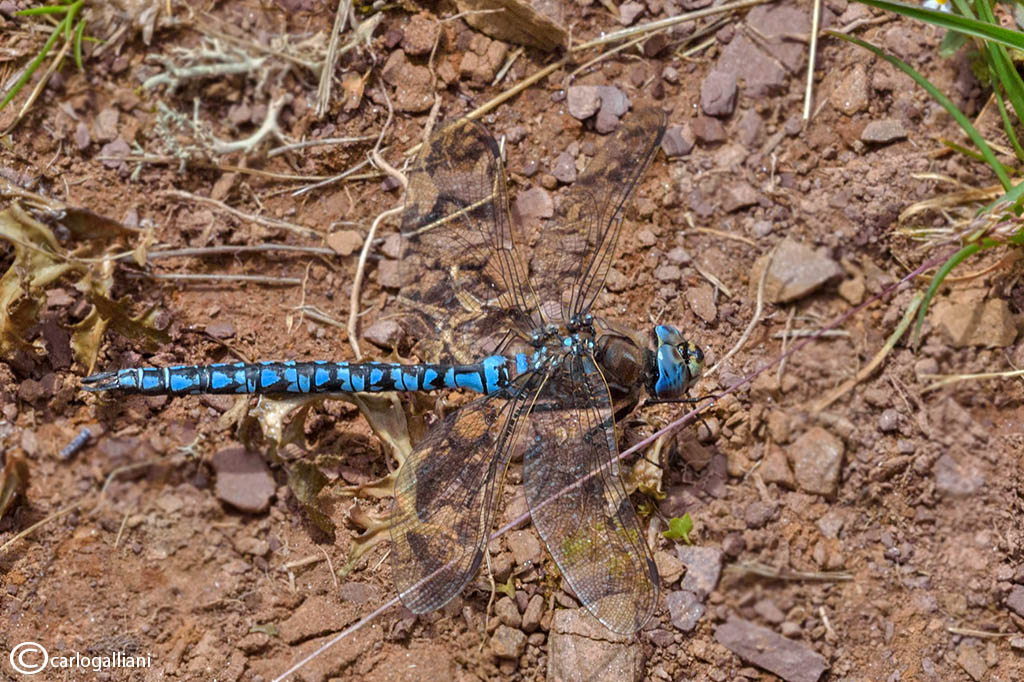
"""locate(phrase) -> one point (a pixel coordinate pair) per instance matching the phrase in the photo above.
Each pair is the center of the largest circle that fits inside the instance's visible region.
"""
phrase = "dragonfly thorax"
(673, 366)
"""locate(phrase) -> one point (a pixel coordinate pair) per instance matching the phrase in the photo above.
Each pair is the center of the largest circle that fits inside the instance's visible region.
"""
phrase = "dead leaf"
(306, 481)
(13, 483)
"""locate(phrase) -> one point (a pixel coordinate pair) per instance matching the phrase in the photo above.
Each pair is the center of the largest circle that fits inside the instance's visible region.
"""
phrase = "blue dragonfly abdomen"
(490, 375)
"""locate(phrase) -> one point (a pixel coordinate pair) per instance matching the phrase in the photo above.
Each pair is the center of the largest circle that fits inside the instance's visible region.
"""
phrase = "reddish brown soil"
(926, 514)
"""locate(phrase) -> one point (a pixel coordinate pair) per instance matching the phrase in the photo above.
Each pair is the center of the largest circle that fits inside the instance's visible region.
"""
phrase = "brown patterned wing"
(571, 259)
(465, 283)
(579, 503)
(444, 501)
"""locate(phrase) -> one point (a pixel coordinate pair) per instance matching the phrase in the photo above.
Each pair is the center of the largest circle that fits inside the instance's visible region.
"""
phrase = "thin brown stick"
(192, 277)
(272, 223)
(357, 283)
(323, 91)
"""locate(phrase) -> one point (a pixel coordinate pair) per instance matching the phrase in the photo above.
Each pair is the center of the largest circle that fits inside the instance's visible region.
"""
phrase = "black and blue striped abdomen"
(487, 376)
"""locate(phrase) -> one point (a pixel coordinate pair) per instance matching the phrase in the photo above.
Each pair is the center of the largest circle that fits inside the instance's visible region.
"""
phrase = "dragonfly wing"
(464, 281)
(570, 261)
(444, 501)
(579, 503)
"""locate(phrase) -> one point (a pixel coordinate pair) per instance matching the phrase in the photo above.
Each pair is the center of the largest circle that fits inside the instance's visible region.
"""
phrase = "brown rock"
(413, 92)
(795, 271)
(792, 661)
(850, 95)
(345, 242)
(817, 457)
(508, 643)
(243, 480)
(761, 75)
(737, 196)
(535, 203)
(580, 648)
(971, 321)
(708, 130)
(678, 140)
(718, 93)
(419, 35)
(884, 131)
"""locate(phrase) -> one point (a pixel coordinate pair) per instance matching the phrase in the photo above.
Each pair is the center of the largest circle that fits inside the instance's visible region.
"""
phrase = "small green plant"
(679, 528)
(70, 25)
(974, 24)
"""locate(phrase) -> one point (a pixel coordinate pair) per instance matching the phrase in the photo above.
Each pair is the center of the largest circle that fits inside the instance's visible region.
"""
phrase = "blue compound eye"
(678, 364)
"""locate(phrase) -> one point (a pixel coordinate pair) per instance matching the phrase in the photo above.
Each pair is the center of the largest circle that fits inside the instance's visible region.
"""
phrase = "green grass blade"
(13, 92)
(954, 22)
(1001, 65)
(37, 11)
(954, 260)
(1013, 197)
(79, 31)
(1008, 125)
(946, 103)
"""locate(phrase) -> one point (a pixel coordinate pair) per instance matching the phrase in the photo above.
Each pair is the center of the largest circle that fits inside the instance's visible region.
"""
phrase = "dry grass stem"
(876, 361)
(271, 223)
(758, 310)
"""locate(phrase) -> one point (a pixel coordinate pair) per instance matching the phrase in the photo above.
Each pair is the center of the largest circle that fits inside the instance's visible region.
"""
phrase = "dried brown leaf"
(13, 483)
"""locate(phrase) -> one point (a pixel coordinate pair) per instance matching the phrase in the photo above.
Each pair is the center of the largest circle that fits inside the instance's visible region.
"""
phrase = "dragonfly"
(552, 379)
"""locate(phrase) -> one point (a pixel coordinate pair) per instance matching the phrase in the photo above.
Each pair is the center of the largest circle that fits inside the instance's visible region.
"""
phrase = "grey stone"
(385, 334)
(104, 128)
(956, 478)
(614, 102)
(775, 24)
(850, 94)
(792, 661)
(738, 195)
(718, 93)
(685, 609)
(889, 421)
(533, 613)
(116, 149)
(749, 128)
(507, 612)
(564, 168)
(525, 547)
(1015, 600)
(701, 300)
(508, 643)
(580, 648)
(678, 140)
(881, 132)
(82, 137)
(708, 130)
(243, 480)
(703, 567)
(583, 101)
(220, 329)
(973, 664)
(629, 11)
(817, 457)
(795, 271)
(535, 202)
(605, 122)
(762, 76)
(758, 513)
(771, 613)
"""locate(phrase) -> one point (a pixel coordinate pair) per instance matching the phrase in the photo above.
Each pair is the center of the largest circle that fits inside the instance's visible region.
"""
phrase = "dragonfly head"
(674, 365)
